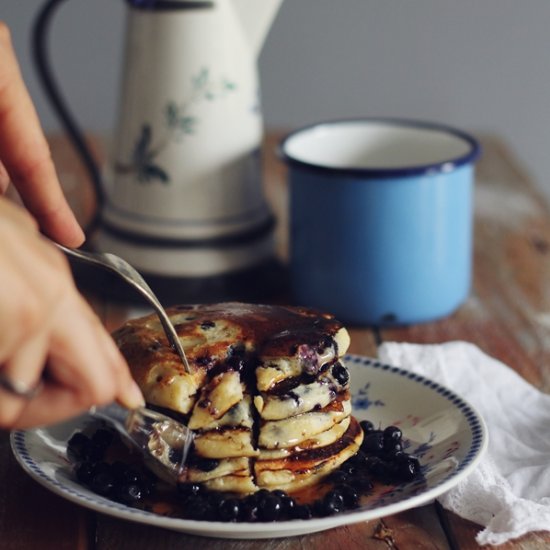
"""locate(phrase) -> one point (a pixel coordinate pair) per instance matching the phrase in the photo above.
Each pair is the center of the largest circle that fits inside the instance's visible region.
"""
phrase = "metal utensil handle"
(125, 271)
(134, 278)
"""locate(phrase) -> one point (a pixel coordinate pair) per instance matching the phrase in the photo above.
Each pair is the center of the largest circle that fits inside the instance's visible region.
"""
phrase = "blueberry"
(236, 363)
(175, 456)
(130, 475)
(77, 447)
(147, 481)
(362, 482)
(287, 502)
(129, 493)
(236, 350)
(407, 467)
(249, 510)
(85, 471)
(340, 374)
(260, 496)
(378, 468)
(102, 483)
(229, 510)
(358, 460)
(154, 346)
(103, 468)
(373, 443)
(189, 489)
(206, 464)
(351, 496)
(302, 511)
(326, 342)
(392, 447)
(339, 476)
(318, 508)
(333, 502)
(204, 360)
(102, 439)
(348, 469)
(215, 498)
(199, 508)
(271, 508)
(95, 453)
(308, 358)
(367, 426)
(118, 468)
(392, 433)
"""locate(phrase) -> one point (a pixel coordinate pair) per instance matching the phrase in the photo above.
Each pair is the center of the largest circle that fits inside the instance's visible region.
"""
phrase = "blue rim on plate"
(446, 165)
(380, 392)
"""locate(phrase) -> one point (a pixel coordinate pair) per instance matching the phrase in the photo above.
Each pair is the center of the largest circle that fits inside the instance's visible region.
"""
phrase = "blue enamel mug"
(380, 219)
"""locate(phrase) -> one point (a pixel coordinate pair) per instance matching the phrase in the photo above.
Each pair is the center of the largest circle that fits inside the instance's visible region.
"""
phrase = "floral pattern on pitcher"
(179, 123)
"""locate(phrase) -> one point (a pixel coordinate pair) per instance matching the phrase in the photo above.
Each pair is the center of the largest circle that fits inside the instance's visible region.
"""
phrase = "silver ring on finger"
(18, 388)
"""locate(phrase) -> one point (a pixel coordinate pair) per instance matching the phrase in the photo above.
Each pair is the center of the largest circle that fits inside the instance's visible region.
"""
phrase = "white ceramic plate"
(444, 431)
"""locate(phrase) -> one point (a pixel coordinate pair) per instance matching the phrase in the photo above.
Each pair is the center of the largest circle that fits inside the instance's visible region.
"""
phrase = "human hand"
(48, 332)
(25, 157)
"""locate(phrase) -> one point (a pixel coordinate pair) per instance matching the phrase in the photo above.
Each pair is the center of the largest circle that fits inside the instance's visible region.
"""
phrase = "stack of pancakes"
(267, 394)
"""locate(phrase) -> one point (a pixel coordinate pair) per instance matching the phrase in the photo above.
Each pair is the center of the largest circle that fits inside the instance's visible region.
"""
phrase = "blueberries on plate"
(229, 509)
(381, 457)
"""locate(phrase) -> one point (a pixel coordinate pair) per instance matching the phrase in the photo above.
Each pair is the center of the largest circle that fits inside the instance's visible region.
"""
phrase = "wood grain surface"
(507, 315)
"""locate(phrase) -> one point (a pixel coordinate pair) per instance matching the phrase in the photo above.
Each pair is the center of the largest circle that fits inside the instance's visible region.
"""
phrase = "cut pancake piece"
(216, 398)
(304, 359)
(239, 415)
(167, 385)
(286, 340)
(225, 443)
(291, 431)
(302, 398)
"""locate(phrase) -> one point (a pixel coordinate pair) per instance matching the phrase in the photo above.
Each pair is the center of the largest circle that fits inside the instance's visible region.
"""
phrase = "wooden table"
(507, 315)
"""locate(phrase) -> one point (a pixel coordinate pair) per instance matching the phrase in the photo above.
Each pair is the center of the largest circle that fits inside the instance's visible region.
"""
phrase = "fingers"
(44, 320)
(26, 156)
(16, 218)
(25, 367)
(34, 274)
(4, 179)
(52, 405)
(85, 359)
(84, 368)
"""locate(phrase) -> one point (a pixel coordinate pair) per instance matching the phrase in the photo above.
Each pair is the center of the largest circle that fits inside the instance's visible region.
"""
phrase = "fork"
(125, 271)
(163, 442)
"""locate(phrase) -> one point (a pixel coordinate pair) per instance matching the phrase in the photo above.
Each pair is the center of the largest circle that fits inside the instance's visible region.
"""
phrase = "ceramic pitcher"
(182, 193)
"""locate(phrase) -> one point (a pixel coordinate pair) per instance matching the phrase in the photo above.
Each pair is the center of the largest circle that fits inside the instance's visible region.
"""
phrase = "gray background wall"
(483, 65)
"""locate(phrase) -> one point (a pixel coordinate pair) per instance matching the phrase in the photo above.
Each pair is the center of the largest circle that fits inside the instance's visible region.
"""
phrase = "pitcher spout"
(257, 17)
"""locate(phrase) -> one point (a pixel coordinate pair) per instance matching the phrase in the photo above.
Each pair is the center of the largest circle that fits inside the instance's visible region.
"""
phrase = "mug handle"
(41, 58)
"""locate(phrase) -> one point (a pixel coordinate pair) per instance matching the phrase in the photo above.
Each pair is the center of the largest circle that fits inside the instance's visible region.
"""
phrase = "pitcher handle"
(41, 58)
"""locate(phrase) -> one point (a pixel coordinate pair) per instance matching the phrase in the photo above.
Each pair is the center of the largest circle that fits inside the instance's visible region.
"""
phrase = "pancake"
(295, 429)
(305, 396)
(305, 468)
(267, 395)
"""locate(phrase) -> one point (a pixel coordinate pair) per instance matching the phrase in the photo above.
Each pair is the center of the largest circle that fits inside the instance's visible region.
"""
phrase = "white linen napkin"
(509, 492)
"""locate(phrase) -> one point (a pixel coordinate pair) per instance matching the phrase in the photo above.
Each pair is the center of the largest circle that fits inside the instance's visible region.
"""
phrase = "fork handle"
(144, 289)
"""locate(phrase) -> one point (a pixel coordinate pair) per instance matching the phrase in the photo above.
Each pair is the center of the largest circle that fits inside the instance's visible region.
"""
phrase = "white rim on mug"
(379, 147)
